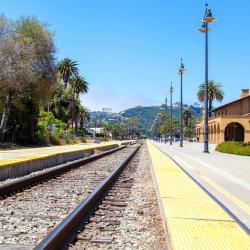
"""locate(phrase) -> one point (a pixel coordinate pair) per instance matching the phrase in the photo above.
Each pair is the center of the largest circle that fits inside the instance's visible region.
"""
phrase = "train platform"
(14, 163)
(193, 218)
(9, 156)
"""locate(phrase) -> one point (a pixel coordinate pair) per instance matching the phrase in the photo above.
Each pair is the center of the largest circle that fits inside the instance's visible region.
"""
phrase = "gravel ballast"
(137, 224)
(26, 217)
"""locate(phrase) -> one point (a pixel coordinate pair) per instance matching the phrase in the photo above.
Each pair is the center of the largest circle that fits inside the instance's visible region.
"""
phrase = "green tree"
(164, 124)
(27, 68)
(49, 125)
(189, 123)
(187, 117)
(215, 92)
(67, 68)
(131, 127)
(84, 116)
(79, 85)
(60, 103)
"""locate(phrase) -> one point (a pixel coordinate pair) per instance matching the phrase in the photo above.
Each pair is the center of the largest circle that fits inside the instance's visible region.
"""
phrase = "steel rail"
(15, 186)
(67, 230)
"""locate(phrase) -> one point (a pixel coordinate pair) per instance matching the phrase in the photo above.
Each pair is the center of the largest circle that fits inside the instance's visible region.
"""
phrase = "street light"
(171, 90)
(208, 18)
(181, 71)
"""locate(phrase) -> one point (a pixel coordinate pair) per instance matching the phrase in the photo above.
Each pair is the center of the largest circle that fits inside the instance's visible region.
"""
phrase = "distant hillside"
(146, 115)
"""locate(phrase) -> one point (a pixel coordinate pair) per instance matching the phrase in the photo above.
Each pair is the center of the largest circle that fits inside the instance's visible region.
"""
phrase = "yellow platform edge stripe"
(194, 220)
(28, 158)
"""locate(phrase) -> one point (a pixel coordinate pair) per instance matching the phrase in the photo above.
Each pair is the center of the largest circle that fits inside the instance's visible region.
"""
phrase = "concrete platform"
(30, 160)
(225, 176)
(194, 220)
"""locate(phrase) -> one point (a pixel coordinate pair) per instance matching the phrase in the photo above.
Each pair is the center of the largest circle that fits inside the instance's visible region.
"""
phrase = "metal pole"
(165, 127)
(181, 134)
(171, 115)
(206, 150)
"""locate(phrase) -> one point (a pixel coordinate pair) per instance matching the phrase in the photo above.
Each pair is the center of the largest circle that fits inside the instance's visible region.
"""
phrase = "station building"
(229, 122)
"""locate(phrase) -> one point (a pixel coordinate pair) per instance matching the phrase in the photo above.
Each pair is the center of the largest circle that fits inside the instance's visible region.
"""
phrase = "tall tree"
(84, 116)
(67, 68)
(215, 92)
(187, 117)
(79, 85)
(27, 68)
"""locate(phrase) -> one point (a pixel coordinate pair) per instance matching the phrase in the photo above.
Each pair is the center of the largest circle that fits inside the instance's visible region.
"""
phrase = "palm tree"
(79, 85)
(84, 116)
(66, 69)
(163, 119)
(215, 92)
(187, 117)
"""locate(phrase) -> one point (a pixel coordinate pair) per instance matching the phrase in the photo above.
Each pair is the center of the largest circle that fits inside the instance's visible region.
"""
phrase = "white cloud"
(99, 97)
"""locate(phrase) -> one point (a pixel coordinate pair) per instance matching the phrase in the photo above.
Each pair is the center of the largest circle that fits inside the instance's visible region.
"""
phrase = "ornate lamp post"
(171, 90)
(181, 71)
(208, 18)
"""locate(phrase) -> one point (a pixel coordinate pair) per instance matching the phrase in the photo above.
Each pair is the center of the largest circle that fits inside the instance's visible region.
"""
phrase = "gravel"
(27, 217)
(139, 225)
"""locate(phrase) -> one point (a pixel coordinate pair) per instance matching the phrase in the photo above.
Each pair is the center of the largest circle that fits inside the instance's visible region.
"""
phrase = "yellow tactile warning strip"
(194, 220)
(26, 158)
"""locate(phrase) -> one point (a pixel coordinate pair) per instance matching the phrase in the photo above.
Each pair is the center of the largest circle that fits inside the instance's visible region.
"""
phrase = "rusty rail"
(67, 230)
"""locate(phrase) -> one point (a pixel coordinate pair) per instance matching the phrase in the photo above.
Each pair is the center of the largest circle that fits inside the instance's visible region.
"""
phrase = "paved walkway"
(8, 157)
(7, 154)
(194, 220)
(226, 176)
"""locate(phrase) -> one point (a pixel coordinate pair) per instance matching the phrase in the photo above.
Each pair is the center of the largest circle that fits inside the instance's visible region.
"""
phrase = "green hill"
(146, 115)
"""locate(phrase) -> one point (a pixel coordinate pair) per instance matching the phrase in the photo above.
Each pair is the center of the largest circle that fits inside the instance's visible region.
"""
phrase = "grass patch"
(234, 147)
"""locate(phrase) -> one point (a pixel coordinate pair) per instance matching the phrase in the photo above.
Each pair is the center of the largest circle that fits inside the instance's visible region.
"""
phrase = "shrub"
(48, 125)
(100, 134)
(62, 142)
(43, 140)
(54, 140)
(82, 139)
(68, 139)
(233, 147)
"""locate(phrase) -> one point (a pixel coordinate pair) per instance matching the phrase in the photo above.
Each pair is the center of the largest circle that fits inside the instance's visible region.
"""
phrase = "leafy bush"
(54, 140)
(62, 142)
(82, 139)
(100, 134)
(68, 138)
(49, 125)
(233, 147)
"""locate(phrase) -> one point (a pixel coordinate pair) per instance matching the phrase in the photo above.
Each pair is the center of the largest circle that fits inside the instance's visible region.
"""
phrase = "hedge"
(234, 147)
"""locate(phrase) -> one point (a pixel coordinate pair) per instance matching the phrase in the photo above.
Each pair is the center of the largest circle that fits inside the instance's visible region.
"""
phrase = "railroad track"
(26, 182)
(27, 217)
(109, 195)
(99, 231)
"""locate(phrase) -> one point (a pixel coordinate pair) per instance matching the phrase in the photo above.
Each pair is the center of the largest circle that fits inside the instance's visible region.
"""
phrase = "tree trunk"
(81, 123)
(76, 123)
(5, 117)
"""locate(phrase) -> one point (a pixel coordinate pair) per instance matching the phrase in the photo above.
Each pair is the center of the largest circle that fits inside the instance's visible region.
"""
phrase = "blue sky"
(129, 50)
